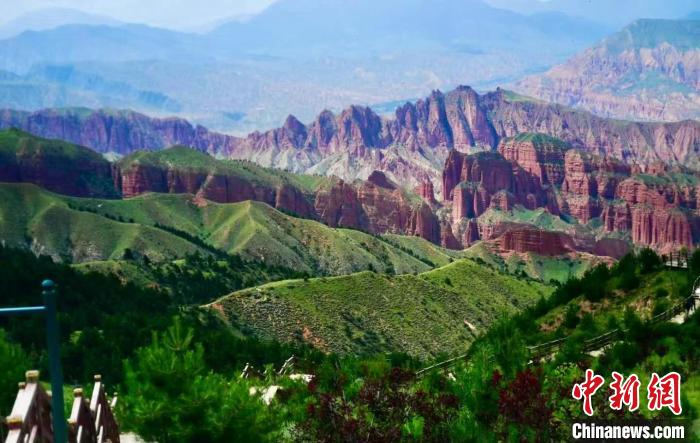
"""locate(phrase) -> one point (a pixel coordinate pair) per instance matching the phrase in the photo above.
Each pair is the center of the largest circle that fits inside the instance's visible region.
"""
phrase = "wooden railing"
(101, 409)
(81, 426)
(678, 259)
(89, 422)
(30, 419)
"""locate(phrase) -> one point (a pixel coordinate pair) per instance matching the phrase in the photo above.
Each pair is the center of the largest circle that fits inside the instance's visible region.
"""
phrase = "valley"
(301, 225)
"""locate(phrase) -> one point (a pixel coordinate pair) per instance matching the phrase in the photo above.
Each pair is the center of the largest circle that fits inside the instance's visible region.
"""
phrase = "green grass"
(95, 229)
(514, 97)
(540, 140)
(691, 390)
(423, 315)
(423, 249)
(539, 217)
(15, 141)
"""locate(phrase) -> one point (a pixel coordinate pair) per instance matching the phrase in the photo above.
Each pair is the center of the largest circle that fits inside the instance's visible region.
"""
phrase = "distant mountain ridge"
(242, 76)
(49, 18)
(411, 147)
(648, 71)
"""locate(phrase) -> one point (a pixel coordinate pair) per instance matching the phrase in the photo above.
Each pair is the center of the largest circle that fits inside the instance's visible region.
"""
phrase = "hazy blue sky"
(169, 13)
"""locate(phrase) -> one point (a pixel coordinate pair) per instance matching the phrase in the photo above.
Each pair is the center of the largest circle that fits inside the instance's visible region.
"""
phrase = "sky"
(182, 14)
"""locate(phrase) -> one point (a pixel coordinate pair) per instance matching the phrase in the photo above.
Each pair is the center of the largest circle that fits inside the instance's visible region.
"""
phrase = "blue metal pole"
(11, 312)
(53, 340)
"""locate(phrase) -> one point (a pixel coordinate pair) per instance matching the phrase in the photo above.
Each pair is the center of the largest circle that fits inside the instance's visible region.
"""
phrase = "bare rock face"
(376, 206)
(410, 147)
(657, 208)
(537, 241)
(539, 155)
(485, 170)
(339, 206)
(380, 179)
(611, 247)
(291, 199)
(426, 191)
(659, 211)
(423, 223)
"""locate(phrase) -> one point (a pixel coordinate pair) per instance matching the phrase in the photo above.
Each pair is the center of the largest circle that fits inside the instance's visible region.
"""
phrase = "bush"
(648, 260)
(661, 306)
(571, 316)
(172, 397)
(661, 292)
(13, 364)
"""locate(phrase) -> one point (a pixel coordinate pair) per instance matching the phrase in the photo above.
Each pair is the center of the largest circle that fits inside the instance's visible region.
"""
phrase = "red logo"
(662, 392)
(586, 390)
(625, 392)
(665, 392)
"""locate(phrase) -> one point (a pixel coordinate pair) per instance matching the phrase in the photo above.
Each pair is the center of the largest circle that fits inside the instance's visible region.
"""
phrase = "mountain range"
(650, 70)
(411, 146)
(534, 193)
(240, 76)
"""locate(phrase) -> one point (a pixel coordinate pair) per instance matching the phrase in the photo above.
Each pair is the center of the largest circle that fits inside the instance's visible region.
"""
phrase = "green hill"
(439, 311)
(54, 164)
(167, 226)
(544, 268)
(33, 218)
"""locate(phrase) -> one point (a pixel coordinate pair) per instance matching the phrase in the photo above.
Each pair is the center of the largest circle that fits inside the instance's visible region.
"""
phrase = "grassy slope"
(31, 217)
(536, 266)
(423, 315)
(642, 300)
(251, 229)
(255, 230)
(423, 249)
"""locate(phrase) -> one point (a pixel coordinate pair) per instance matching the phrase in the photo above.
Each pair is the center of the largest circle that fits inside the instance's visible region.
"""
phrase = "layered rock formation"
(496, 151)
(659, 210)
(410, 148)
(537, 241)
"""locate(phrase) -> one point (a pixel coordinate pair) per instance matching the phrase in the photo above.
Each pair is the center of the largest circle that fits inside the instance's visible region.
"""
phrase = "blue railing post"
(53, 340)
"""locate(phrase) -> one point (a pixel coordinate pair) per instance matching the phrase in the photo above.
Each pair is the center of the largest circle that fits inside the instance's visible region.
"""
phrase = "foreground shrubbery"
(183, 385)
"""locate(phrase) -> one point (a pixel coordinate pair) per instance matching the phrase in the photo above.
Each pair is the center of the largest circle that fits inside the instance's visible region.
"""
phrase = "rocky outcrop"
(538, 241)
(658, 210)
(426, 191)
(539, 155)
(495, 151)
(376, 206)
